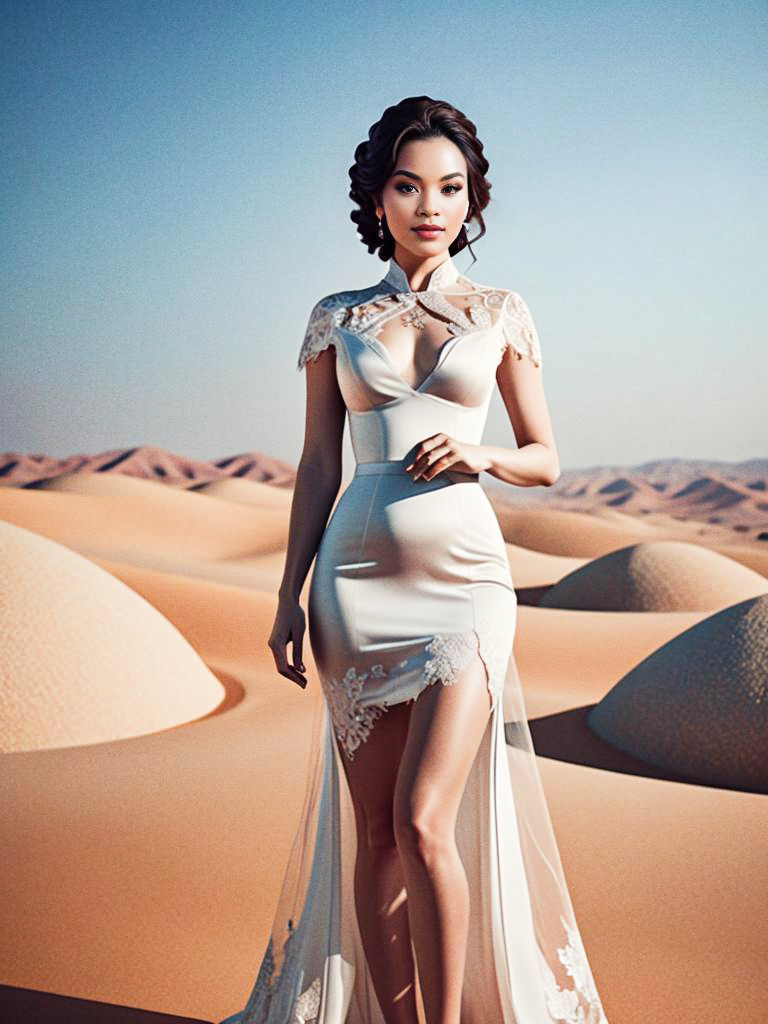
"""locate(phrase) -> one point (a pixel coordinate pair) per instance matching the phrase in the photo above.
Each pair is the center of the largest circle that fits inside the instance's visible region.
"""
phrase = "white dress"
(411, 579)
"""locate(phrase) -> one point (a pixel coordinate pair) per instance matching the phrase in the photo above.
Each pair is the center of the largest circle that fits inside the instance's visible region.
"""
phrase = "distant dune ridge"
(656, 576)
(83, 658)
(148, 462)
(699, 704)
(726, 498)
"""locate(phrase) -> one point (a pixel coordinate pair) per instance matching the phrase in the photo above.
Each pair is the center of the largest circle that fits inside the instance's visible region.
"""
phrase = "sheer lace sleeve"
(319, 332)
(519, 329)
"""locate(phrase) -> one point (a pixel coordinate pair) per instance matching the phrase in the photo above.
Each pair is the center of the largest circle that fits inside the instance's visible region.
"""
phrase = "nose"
(428, 207)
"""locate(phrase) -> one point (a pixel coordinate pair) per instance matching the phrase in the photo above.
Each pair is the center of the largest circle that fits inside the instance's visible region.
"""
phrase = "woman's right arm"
(318, 479)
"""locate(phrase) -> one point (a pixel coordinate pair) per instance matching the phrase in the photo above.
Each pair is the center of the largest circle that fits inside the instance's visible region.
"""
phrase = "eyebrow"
(410, 174)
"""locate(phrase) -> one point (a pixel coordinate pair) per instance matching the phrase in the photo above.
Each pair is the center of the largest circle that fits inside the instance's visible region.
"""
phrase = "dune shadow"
(234, 693)
(27, 1004)
(567, 737)
(532, 595)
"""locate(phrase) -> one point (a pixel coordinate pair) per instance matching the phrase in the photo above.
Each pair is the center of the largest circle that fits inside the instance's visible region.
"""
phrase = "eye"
(404, 185)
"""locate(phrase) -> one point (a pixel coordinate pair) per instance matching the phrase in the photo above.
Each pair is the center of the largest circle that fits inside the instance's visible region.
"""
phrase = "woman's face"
(429, 186)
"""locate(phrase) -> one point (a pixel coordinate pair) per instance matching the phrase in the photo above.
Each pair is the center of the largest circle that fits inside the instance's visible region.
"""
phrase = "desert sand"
(154, 760)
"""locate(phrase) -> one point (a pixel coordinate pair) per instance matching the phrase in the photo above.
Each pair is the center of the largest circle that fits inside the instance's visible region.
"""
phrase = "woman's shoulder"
(344, 299)
(324, 317)
(519, 328)
(494, 295)
(471, 284)
(517, 323)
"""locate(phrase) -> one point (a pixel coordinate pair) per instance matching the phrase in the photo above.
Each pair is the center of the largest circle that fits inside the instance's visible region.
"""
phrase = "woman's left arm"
(535, 461)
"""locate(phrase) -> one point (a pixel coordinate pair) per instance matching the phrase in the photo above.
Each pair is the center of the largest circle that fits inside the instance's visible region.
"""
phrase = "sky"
(174, 199)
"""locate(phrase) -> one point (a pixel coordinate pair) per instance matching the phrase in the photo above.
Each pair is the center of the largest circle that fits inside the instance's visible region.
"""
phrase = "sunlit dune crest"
(166, 522)
(248, 492)
(656, 576)
(568, 534)
(254, 493)
(534, 568)
(83, 658)
(698, 705)
(105, 485)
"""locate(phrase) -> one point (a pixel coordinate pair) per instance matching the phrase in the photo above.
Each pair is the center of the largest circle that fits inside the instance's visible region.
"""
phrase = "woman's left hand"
(440, 452)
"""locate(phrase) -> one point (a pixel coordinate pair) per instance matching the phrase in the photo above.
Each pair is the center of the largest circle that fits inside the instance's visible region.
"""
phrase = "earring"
(381, 230)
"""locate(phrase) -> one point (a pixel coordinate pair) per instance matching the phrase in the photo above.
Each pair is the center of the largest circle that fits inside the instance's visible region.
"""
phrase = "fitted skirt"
(410, 581)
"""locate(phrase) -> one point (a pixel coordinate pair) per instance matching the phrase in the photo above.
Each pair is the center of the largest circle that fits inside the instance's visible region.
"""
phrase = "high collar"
(445, 273)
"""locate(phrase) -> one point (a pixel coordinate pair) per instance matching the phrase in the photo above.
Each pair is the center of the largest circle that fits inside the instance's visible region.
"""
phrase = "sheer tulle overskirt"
(526, 963)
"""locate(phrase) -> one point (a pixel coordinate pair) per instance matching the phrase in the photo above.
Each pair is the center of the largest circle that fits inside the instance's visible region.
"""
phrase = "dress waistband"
(398, 466)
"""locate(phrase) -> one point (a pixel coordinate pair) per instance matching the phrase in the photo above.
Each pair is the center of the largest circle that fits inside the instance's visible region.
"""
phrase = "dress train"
(525, 963)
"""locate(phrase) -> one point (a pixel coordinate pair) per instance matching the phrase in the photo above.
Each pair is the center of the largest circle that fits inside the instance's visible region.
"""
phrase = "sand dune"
(198, 818)
(656, 576)
(751, 556)
(245, 492)
(153, 525)
(536, 569)
(248, 492)
(567, 534)
(589, 535)
(83, 658)
(699, 704)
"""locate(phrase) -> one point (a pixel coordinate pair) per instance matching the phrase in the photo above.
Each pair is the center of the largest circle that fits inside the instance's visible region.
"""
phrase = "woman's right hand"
(289, 625)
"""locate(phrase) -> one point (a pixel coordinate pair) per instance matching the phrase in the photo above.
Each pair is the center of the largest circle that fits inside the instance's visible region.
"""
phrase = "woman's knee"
(423, 834)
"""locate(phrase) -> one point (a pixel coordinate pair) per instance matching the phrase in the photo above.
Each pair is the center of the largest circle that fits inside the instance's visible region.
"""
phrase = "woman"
(424, 873)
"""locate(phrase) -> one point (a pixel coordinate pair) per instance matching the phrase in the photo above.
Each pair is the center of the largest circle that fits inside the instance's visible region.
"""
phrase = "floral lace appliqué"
(519, 330)
(447, 656)
(319, 332)
(478, 308)
(326, 315)
(580, 1004)
(481, 312)
(450, 653)
(352, 721)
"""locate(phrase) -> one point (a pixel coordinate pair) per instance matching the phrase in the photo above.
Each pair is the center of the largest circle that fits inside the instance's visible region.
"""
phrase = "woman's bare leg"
(380, 899)
(446, 727)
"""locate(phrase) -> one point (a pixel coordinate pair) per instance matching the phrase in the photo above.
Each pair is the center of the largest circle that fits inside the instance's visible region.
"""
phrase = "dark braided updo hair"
(416, 117)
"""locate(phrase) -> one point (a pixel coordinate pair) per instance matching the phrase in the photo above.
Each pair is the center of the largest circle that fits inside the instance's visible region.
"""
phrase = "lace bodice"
(461, 304)
(456, 332)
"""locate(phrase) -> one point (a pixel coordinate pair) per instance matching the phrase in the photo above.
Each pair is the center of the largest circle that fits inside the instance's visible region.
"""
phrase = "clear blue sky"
(174, 200)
